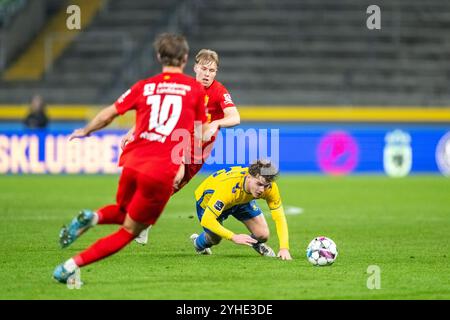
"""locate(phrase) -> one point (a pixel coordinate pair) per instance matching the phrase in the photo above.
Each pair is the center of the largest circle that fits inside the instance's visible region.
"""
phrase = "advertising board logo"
(443, 154)
(397, 155)
(337, 153)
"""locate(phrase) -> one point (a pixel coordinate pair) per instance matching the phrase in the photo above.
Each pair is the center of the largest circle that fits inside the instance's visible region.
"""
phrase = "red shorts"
(142, 196)
(190, 170)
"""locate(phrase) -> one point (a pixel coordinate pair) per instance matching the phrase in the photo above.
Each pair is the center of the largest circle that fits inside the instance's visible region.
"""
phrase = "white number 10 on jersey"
(160, 121)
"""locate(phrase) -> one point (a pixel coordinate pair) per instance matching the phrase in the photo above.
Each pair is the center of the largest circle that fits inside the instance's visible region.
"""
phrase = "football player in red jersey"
(166, 103)
(221, 112)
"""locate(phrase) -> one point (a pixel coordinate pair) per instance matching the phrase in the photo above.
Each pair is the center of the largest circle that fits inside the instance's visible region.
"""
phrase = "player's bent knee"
(262, 236)
(133, 227)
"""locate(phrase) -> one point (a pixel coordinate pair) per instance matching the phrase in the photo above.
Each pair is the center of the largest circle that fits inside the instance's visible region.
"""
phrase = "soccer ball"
(321, 251)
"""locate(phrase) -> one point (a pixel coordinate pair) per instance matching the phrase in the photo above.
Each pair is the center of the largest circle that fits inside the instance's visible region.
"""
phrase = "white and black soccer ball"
(321, 251)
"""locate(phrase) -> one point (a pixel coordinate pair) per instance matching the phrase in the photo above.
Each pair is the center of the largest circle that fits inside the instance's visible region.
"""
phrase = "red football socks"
(104, 247)
(111, 214)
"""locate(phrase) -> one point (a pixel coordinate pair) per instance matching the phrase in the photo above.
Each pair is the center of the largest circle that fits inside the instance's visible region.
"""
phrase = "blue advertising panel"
(334, 149)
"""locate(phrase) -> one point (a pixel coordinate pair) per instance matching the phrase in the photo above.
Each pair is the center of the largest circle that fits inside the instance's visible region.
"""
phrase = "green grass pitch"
(400, 225)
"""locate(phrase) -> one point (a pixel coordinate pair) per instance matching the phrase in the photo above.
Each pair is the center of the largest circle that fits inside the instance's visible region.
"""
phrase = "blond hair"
(206, 56)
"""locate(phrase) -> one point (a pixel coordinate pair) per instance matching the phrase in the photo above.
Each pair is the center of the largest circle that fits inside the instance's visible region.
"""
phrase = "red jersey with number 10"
(164, 103)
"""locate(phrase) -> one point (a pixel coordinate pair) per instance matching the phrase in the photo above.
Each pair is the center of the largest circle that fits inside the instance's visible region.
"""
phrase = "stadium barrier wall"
(344, 114)
(331, 148)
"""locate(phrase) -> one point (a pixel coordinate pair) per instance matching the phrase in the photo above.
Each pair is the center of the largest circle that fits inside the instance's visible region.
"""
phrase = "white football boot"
(142, 238)
(264, 250)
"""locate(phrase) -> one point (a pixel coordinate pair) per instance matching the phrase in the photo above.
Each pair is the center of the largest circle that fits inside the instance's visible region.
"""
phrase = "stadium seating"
(8, 8)
(320, 52)
(93, 62)
(272, 52)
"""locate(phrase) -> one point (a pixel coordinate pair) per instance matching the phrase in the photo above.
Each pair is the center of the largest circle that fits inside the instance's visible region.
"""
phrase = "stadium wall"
(400, 142)
(374, 114)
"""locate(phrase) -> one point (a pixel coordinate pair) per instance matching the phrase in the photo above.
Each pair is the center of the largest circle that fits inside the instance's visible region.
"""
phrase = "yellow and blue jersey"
(223, 193)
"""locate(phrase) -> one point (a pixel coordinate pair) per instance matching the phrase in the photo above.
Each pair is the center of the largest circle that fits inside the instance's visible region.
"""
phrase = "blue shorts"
(241, 212)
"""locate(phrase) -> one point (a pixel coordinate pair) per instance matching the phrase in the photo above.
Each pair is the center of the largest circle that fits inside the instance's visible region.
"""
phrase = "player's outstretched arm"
(282, 231)
(277, 212)
(101, 120)
(210, 222)
(208, 130)
(243, 239)
(231, 118)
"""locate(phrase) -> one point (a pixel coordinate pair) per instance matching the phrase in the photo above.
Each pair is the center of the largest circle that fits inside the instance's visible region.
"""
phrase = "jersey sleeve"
(273, 197)
(210, 222)
(273, 200)
(225, 98)
(200, 108)
(219, 200)
(214, 208)
(127, 101)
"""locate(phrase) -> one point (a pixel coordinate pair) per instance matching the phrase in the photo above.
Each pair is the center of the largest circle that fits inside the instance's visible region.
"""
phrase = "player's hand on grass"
(284, 254)
(78, 133)
(243, 239)
(210, 131)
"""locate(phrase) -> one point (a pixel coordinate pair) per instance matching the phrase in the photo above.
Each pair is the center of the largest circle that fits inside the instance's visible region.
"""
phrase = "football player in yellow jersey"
(233, 192)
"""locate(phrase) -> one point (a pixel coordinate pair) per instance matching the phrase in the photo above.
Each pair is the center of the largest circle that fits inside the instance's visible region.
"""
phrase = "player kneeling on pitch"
(233, 192)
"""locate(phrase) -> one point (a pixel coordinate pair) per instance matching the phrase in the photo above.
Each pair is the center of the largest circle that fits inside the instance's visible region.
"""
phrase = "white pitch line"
(292, 211)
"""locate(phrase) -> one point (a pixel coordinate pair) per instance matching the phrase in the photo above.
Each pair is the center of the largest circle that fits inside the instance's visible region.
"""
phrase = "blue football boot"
(77, 227)
(61, 274)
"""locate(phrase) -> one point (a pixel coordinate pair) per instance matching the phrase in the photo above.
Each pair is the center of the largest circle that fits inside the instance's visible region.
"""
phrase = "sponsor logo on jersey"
(149, 89)
(227, 98)
(173, 88)
(219, 205)
(277, 203)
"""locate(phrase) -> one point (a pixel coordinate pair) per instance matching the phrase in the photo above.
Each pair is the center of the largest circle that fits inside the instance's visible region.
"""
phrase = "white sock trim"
(70, 265)
(94, 219)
